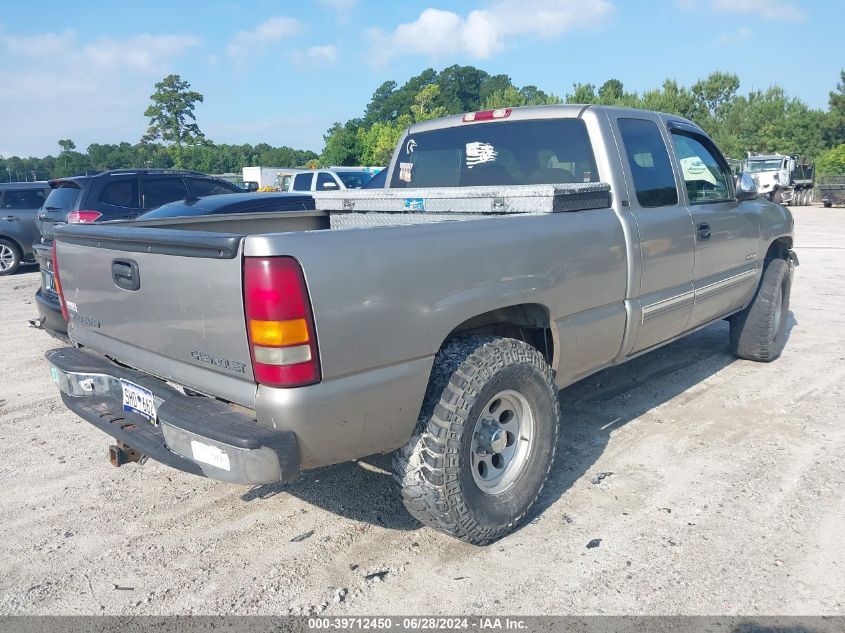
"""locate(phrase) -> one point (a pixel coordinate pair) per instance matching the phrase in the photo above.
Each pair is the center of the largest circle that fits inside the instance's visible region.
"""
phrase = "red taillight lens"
(83, 217)
(58, 284)
(280, 326)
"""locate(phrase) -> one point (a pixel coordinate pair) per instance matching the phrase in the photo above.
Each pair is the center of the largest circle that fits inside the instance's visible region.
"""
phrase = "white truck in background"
(262, 176)
(783, 179)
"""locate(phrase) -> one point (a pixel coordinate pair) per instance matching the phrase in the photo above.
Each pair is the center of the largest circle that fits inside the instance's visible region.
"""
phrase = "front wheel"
(486, 439)
(777, 197)
(10, 257)
(759, 331)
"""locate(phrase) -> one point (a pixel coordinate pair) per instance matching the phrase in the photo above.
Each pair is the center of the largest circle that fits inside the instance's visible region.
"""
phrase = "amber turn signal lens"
(279, 333)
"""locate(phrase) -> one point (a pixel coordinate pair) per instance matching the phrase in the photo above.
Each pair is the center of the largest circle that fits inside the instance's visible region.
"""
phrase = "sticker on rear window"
(405, 171)
(478, 153)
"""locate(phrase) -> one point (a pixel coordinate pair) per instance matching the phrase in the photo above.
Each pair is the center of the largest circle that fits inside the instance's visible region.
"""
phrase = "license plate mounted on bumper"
(137, 399)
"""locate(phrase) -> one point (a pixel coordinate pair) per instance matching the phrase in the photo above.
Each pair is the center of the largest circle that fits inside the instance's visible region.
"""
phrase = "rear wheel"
(486, 439)
(827, 205)
(759, 332)
(10, 257)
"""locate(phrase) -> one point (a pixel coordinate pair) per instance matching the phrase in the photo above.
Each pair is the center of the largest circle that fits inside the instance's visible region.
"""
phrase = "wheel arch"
(528, 322)
(779, 248)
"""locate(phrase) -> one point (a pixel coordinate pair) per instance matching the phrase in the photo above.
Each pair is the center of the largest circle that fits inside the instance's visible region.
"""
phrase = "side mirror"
(746, 188)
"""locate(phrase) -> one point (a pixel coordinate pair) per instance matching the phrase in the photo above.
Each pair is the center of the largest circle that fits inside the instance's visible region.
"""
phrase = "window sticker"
(695, 169)
(410, 146)
(478, 153)
(405, 171)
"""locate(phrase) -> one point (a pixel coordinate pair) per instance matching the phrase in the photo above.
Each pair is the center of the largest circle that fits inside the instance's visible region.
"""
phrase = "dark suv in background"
(118, 194)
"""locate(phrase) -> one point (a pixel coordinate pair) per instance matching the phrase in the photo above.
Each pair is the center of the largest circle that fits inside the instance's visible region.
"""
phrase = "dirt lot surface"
(715, 486)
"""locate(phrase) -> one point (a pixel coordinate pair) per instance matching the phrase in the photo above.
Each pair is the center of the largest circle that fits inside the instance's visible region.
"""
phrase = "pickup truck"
(248, 350)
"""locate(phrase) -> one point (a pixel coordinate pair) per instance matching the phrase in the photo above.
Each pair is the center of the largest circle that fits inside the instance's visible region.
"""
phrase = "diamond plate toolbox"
(491, 200)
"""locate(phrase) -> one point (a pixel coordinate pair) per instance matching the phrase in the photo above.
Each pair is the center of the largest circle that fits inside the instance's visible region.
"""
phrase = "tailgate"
(167, 302)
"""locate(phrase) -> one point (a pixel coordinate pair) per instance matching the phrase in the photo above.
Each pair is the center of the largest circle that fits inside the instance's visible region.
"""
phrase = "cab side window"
(302, 182)
(649, 163)
(326, 181)
(707, 178)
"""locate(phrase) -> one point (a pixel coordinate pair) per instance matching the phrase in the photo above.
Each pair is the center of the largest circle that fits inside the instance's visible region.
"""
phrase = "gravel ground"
(715, 486)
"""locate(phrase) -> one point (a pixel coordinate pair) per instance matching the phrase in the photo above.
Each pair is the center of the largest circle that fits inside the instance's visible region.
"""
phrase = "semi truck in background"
(783, 179)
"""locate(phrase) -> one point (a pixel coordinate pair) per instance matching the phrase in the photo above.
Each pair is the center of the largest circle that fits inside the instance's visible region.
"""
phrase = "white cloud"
(484, 32)
(315, 56)
(143, 52)
(53, 85)
(732, 38)
(246, 44)
(765, 9)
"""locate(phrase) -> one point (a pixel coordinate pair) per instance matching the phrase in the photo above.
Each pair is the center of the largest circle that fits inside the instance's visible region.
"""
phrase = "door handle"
(10, 217)
(125, 274)
(703, 231)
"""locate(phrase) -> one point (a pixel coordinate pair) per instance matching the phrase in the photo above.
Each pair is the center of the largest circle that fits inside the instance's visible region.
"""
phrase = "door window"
(302, 182)
(121, 193)
(326, 181)
(24, 199)
(649, 162)
(204, 187)
(706, 176)
(159, 191)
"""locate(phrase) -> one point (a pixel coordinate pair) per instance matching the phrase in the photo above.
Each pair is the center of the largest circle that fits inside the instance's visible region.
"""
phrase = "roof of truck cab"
(559, 111)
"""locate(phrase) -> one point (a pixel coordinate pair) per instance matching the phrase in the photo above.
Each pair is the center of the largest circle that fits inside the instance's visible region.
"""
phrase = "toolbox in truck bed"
(487, 200)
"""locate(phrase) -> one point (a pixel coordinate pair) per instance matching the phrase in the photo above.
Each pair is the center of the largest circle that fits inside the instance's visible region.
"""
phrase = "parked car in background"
(118, 194)
(324, 179)
(259, 202)
(19, 203)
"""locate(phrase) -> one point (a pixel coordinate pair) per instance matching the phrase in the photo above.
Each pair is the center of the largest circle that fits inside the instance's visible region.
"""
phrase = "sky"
(281, 72)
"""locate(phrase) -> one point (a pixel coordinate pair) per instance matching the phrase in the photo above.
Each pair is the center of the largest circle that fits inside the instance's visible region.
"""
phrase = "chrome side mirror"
(746, 188)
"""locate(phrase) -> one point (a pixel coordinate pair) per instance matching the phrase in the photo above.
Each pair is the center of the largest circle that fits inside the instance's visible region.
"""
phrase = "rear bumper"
(50, 311)
(196, 434)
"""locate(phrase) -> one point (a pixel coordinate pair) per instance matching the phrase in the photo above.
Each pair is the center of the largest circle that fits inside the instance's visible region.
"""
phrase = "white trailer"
(262, 176)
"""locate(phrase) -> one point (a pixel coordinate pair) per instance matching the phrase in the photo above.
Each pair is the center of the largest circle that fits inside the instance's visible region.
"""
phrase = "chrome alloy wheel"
(7, 257)
(501, 441)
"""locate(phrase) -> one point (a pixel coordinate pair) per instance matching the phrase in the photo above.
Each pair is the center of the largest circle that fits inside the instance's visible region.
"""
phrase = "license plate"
(48, 281)
(138, 400)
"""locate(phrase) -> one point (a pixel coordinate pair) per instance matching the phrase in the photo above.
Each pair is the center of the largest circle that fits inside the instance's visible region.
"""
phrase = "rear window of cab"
(497, 153)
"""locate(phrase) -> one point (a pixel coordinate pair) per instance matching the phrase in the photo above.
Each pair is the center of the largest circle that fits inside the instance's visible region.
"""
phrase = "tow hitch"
(120, 454)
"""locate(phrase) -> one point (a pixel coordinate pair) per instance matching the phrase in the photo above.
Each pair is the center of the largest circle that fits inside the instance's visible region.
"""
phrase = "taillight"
(487, 115)
(83, 217)
(280, 326)
(58, 284)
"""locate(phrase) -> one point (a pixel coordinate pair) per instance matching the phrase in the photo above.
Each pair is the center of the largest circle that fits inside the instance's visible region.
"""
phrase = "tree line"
(208, 158)
(760, 121)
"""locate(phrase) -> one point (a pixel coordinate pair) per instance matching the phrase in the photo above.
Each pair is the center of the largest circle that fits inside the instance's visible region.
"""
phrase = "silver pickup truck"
(511, 253)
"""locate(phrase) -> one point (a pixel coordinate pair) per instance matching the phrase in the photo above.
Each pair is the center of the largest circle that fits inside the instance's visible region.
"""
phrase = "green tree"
(343, 144)
(171, 114)
(835, 123)
(425, 106)
(832, 162)
(582, 93)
